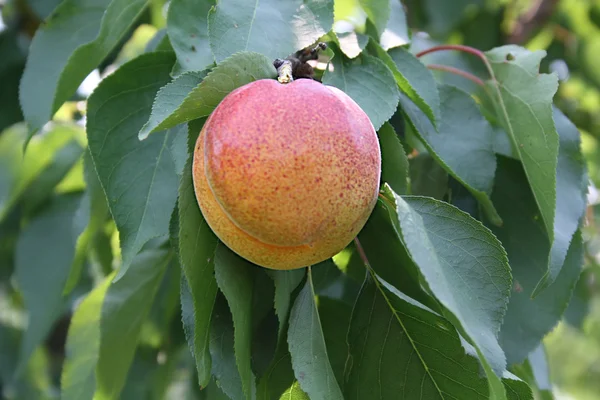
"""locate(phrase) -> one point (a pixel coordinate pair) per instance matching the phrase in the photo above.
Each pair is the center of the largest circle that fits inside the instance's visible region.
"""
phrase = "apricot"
(286, 175)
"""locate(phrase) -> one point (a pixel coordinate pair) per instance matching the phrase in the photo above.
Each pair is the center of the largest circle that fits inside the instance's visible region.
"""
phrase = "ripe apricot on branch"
(286, 175)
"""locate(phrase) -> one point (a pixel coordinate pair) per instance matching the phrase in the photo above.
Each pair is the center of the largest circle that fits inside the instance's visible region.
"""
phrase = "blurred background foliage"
(568, 30)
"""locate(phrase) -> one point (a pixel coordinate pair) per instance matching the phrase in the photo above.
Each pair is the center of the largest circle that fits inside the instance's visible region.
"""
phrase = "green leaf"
(285, 283)
(42, 264)
(187, 25)
(270, 27)
(571, 190)
(197, 246)
(467, 270)
(462, 144)
(186, 102)
(279, 375)
(378, 12)
(394, 163)
(516, 389)
(93, 212)
(445, 15)
(169, 98)
(335, 320)
(124, 310)
(139, 179)
(235, 277)
(294, 392)
(427, 177)
(388, 256)
(413, 78)
(329, 281)
(523, 235)
(307, 347)
(368, 82)
(525, 110)
(18, 171)
(396, 32)
(78, 380)
(352, 43)
(400, 349)
(222, 351)
(59, 60)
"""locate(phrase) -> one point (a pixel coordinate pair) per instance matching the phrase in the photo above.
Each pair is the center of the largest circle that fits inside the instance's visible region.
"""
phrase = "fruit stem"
(456, 71)
(361, 253)
(284, 71)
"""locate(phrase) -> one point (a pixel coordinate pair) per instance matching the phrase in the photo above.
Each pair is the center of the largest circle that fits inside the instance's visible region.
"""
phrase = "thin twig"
(456, 71)
(361, 253)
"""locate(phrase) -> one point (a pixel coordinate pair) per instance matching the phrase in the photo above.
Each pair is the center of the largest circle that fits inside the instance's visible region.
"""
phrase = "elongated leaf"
(335, 320)
(427, 177)
(270, 27)
(235, 277)
(124, 309)
(413, 79)
(139, 179)
(186, 102)
(93, 210)
(523, 235)
(307, 347)
(396, 32)
(400, 349)
(285, 283)
(571, 190)
(394, 163)
(279, 375)
(525, 110)
(467, 270)
(352, 43)
(187, 25)
(78, 380)
(59, 60)
(197, 246)
(368, 82)
(378, 12)
(462, 144)
(18, 171)
(170, 97)
(42, 264)
(222, 351)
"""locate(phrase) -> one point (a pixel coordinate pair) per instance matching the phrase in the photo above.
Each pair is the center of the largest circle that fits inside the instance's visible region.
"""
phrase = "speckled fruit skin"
(286, 175)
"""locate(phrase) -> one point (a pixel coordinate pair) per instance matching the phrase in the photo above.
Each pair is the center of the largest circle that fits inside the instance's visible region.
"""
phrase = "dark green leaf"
(427, 177)
(187, 102)
(378, 12)
(59, 60)
(307, 347)
(279, 375)
(445, 15)
(394, 163)
(270, 27)
(187, 25)
(197, 246)
(571, 190)
(235, 277)
(400, 349)
(525, 110)
(369, 83)
(285, 283)
(467, 270)
(329, 281)
(139, 179)
(524, 237)
(413, 78)
(124, 310)
(222, 351)
(42, 266)
(335, 320)
(462, 144)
